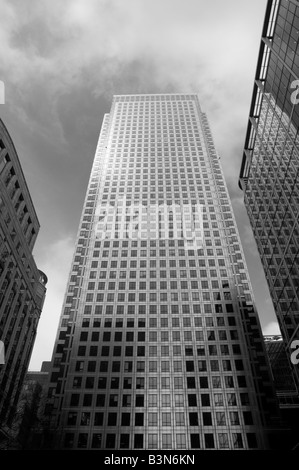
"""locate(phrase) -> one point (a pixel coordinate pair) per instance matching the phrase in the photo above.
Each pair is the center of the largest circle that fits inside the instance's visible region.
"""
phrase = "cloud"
(61, 62)
(56, 265)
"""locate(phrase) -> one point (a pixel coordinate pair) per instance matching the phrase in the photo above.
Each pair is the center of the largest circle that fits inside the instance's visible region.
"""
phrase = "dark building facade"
(285, 385)
(159, 344)
(31, 422)
(269, 172)
(22, 285)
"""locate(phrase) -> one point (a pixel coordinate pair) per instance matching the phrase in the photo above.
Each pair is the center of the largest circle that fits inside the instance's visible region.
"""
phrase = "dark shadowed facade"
(22, 285)
(285, 386)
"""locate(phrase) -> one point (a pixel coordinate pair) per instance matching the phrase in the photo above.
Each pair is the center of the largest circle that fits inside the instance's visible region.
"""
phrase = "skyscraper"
(22, 285)
(269, 172)
(159, 344)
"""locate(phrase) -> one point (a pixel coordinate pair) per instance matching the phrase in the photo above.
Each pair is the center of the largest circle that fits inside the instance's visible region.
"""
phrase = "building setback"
(269, 171)
(22, 285)
(159, 344)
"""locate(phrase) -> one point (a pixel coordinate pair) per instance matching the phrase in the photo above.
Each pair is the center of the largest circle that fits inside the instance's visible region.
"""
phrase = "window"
(209, 441)
(127, 401)
(77, 382)
(247, 417)
(207, 419)
(181, 441)
(104, 366)
(116, 366)
(112, 419)
(152, 441)
(113, 400)
(231, 399)
(220, 418)
(152, 400)
(138, 441)
(139, 419)
(205, 399)
(82, 440)
(89, 383)
(125, 419)
(223, 440)
(104, 352)
(229, 381)
(74, 399)
(139, 382)
(110, 441)
(193, 419)
(218, 398)
(234, 418)
(166, 441)
(190, 382)
(87, 400)
(124, 441)
(203, 382)
(69, 440)
(129, 351)
(166, 419)
(139, 401)
(153, 419)
(100, 400)
(96, 441)
(226, 365)
(114, 382)
(72, 418)
(195, 441)
(153, 366)
(165, 399)
(251, 440)
(237, 440)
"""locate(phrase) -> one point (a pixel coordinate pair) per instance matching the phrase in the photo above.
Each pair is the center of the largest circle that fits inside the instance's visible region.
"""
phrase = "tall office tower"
(159, 344)
(269, 171)
(22, 285)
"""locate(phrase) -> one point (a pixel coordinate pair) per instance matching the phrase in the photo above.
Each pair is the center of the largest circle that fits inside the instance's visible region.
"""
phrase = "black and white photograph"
(149, 228)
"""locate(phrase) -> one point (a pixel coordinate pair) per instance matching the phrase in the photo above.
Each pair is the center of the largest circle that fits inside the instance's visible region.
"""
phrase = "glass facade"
(269, 173)
(159, 344)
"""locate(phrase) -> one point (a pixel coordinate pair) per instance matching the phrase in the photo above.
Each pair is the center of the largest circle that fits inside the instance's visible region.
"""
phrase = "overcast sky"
(62, 61)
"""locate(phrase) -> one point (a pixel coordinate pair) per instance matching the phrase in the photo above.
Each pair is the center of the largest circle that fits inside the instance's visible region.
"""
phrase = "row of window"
(164, 336)
(152, 309)
(89, 382)
(178, 418)
(153, 336)
(218, 399)
(153, 322)
(137, 441)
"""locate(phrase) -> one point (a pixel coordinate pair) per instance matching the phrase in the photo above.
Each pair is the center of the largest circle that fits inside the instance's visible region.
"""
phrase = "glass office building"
(159, 344)
(269, 172)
